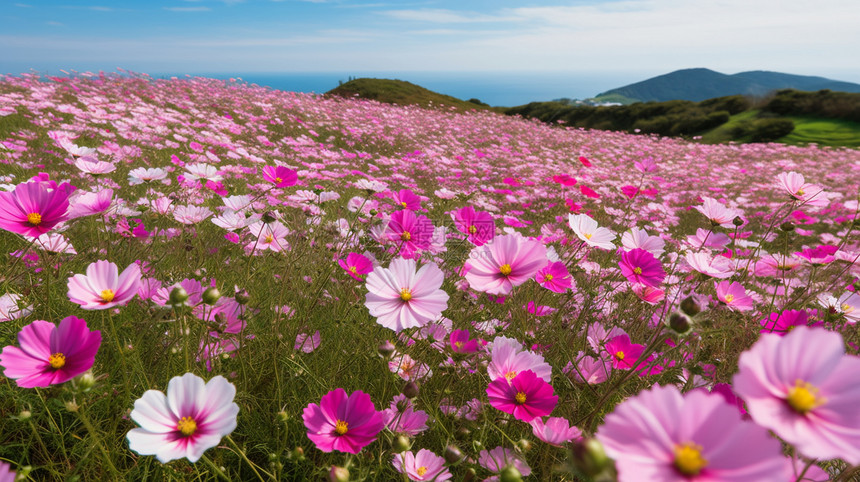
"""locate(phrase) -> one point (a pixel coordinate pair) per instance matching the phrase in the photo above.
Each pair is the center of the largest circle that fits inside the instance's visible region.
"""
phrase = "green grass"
(824, 132)
(399, 92)
(615, 98)
(722, 133)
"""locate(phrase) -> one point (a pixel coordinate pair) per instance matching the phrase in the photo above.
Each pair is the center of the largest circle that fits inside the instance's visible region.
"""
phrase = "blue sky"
(625, 36)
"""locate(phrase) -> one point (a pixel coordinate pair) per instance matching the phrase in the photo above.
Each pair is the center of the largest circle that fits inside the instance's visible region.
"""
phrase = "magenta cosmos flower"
(34, 208)
(806, 389)
(411, 233)
(356, 265)
(526, 396)
(783, 323)
(554, 277)
(102, 287)
(624, 353)
(280, 176)
(345, 424)
(401, 298)
(478, 226)
(190, 419)
(508, 261)
(660, 435)
(460, 342)
(425, 465)
(407, 199)
(642, 268)
(51, 354)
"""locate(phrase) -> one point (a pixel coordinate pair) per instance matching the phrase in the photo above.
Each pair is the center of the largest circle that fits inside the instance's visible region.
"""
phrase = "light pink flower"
(639, 238)
(401, 298)
(508, 358)
(103, 287)
(733, 295)
(190, 419)
(555, 431)
(505, 262)
(499, 459)
(797, 187)
(422, 466)
(717, 212)
(806, 389)
(587, 230)
(716, 267)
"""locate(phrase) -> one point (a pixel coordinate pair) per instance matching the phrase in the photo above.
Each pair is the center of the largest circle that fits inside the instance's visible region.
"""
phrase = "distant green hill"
(701, 84)
(401, 93)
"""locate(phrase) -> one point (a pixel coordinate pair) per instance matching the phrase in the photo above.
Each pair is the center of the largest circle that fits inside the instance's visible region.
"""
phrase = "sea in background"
(494, 88)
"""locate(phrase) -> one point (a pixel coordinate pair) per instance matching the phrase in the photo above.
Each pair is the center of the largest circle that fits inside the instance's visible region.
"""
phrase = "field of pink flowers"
(206, 280)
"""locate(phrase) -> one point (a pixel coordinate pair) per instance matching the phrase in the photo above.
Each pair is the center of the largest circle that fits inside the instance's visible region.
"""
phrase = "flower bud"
(589, 457)
(680, 323)
(72, 406)
(86, 381)
(282, 416)
(470, 475)
(25, 415)
(338, 474)
(787, 226)
(211, 295)
(737, 221)
(242, 297)
(510, 474)
(401, 444)
(268, 217)
(298, 454)
(386, 349)
(374, 212)
(689, 306)
(524, 444)
(477, 446)
(453, 454)
(178, 296)
(410, 389)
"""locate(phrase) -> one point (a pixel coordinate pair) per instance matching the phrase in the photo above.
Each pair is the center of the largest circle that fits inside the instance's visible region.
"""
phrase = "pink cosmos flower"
(460, 342)
(716, 267)
(806, 389)
(776, 265)
(402, 418)
(708, 239)
(6, 473)
(407, 199)
(51, 354)
(624, 353)
(733, 295)
(307, 343)
(588, 369)
(555, 431)
(88, 203)
(144, 174)
(820, 255)
(407, 367)
(271, 236)
(411, 233)
(356, 265)
(91, 165)
(345, 424)
(191, 214)
(587, 230)
(508, 261)
(33, 208)
(783, 323)
(641, 267)
(554, 277)
(102, 288)
(718, 213)
(424, 466)
(190, 419)
(797, 187)
(499, 459)
(280, 176)
(400, 298)
(648, 294)
(525, 396)
(639, 238)
(11, 308)
(508, 358)
(478, 226)
(660, 435)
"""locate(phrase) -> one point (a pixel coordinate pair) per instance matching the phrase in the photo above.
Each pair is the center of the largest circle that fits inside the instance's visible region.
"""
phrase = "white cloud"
(187, 9)
(434, 15)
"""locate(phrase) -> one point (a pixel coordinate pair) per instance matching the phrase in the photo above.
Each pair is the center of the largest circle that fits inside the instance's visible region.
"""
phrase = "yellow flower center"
(619, 355)
(57, 361)
(278, 180)
(510, 375)
(405, 294)
(588, 235)
(107, 295)
(406, 236)
(473, 229)
(34, 218)
(186, 426)
(846, 308)
(403, 203)
(730, 298)
(520, 397)
(421, 471)
(688, 459)
(353, 270)
(548, 277)
(803, 397)
(637, 270)
(505, 269)
(269, 238)
(340, 427)
(800, 192)
(459, 345)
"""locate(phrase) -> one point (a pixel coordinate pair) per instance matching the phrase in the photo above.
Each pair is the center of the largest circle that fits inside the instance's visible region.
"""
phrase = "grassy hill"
(400, 92)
